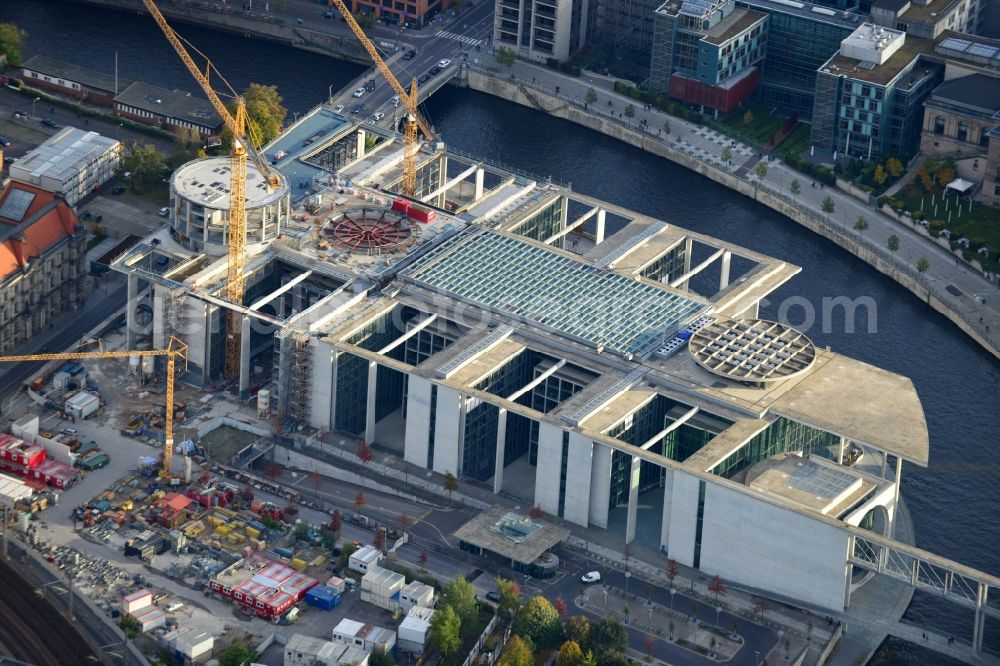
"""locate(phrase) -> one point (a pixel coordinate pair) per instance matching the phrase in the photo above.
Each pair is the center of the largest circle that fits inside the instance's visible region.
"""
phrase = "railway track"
(33, 630)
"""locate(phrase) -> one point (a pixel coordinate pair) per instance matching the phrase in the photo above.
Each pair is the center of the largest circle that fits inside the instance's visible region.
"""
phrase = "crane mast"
(237, 228)
(175, 349)
(407, 98)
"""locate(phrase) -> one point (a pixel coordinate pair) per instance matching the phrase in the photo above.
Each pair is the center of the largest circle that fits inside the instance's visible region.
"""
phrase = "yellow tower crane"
(176, 349)
(408, 99)
(237, 124)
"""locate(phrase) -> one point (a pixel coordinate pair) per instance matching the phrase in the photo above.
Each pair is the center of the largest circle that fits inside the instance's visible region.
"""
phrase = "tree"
(672, 571)
(345, 556)
(505, 56)
(336, 522)
(796, 187)
(761, 169)
(422, 561)
(711, 645)
(666, 127)
(560, 605)
(450, 483)
(591, 96)
(648, 642)
(630, 112)
(360, 501)
(510, 598)
(129, 625)
(364, 453)
(365, 19)
(923, 264)
(894, 167)
(146, 164)
(10, 43)
(727, 154)
(379, 540)
(517, 653)
(613, 658)
(315, 480)
(265, 114)
(926, 179)
(539, 621)
(717, 588)
(880, 175)
(237, 655)
(446, 628)
(892, 243)
(861, 225)
(461, 596)
(379, 657)
(273, 471)
(536, 513)
(748, 117)
(945, 176)
(571, 654)
(279, 5)
(405, 521)
(608, 635)
(759, 606)
(578, 629)
(828, 206)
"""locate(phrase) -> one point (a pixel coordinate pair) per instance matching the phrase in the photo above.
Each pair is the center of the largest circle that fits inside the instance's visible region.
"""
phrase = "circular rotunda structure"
(372, 231)
(752, 350)
(200, 202)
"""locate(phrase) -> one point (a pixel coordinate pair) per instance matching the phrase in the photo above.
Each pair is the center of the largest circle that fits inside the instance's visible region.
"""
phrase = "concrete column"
(688, 247)
(548, 468)
(443, 178)
(633, 498)
(323, 396)
(361, 143)
(370, 408)
(727, 258)
(668, 494)
(418, 415)
(480, 173)
(579, 465)
(565, 221)
(500, 455)
(131, 325)
(599, 227)
(600, 485)
(895, 498)
(244, 355)
(449, 431)
(840, 451)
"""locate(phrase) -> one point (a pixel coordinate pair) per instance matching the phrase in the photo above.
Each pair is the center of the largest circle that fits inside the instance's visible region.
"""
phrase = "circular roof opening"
(370, 231)
(752, 350)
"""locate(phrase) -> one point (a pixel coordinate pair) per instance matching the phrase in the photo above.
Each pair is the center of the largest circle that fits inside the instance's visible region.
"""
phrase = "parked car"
(48, 122)
(424, 78)
(395, 101)
(328, 15)
(70, 431)
(591, 577)
(434, 71)
(23, 115)
(493, 596)
(118, 190)
(377, 116)
(4, 141)
(359, 92)
(338, 108)
(370, 86)
(358, 108)
(164, 212)
(410, 55)
(444, 62)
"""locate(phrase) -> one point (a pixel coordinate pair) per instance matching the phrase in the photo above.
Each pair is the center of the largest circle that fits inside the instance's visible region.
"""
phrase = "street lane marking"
(459, 38)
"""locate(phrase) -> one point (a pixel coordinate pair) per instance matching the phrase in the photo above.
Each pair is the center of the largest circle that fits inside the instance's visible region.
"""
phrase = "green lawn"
(764, 124)
(797, 142)
(981, 226)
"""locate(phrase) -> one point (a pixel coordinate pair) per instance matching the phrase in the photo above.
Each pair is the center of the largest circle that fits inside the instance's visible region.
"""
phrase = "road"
(11, 101)
(64, 333)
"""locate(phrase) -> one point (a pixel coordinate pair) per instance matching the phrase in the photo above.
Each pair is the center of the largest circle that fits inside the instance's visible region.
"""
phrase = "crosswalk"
(471, 41)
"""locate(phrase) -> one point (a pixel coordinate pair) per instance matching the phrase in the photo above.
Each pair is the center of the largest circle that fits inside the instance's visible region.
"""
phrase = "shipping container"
(323, 597)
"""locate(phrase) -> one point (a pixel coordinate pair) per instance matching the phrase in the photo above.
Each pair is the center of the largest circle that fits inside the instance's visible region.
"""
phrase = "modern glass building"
(707, 53)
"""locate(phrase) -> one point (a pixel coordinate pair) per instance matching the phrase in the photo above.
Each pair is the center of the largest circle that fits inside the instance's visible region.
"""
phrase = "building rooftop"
(971, 48)
(511, 535)
(976, 93)
(206, 182)
(67, 71)
(813, 483)
(31, 221)
(807, 10)
(556, 290)
(932, 12)
(367, 554)
(418, 619)
(731, 26)
(377, 576)
(13, 490)
(174, 104)
(752, 350)
(872, 43)
(882, 74)
(61, 155)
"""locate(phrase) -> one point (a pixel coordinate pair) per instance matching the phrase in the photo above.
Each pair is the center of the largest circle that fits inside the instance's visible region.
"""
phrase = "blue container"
(323, 597)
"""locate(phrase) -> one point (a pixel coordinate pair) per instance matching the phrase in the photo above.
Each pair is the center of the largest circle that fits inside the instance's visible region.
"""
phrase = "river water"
(953, 502)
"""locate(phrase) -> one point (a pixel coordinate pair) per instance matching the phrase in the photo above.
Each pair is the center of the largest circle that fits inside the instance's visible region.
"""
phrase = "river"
(958, 382)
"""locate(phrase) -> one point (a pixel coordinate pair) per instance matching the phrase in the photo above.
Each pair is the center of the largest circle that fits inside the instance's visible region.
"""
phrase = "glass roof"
(529, 281)
(16, 204)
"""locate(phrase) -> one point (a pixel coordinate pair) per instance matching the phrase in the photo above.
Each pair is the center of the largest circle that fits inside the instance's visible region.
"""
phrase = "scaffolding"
(301, 374)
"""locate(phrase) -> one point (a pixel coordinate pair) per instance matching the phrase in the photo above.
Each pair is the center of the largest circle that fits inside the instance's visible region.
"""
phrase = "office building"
(928, 18)
(65, 78)
(72, 164)
(707, 53)
(172, 110)
(408, 13)
(541, 29)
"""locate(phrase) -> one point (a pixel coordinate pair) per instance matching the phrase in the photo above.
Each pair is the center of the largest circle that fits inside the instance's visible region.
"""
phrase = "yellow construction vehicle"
(242, 146)
(408, 99)
(176, 349)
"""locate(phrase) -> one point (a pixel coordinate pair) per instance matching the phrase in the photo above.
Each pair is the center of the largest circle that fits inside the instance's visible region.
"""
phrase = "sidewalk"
(953, 282)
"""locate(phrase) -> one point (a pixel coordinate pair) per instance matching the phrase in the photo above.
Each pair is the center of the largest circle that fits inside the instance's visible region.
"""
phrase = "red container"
(401, 205)
(421, 214)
